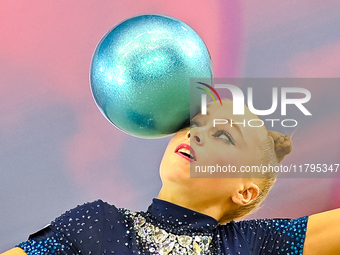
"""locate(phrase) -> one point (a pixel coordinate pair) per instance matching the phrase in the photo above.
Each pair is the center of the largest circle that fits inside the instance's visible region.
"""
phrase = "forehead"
(227, 109)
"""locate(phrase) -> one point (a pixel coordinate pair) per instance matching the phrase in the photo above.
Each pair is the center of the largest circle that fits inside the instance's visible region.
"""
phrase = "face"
(224, 145)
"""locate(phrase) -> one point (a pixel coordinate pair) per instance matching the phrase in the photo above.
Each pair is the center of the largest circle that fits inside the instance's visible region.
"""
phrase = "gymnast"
(196, 215)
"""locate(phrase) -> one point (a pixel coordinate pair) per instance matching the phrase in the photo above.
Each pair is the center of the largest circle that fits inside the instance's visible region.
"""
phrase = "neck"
(214, 207)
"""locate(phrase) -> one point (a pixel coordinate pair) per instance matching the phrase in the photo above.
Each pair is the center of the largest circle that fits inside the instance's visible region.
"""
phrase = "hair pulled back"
(275, 147)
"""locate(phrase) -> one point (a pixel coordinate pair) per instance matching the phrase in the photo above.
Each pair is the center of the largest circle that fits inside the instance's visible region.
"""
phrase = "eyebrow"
(237, 127)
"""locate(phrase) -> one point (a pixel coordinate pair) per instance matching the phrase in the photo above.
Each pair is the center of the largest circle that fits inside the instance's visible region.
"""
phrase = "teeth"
(186, 151)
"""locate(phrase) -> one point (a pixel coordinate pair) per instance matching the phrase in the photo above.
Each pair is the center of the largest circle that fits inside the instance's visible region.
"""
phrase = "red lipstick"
(185, 151)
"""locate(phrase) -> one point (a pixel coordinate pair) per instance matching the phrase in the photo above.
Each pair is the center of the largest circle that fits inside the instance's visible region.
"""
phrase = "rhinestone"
(164, 250)
(184, 240)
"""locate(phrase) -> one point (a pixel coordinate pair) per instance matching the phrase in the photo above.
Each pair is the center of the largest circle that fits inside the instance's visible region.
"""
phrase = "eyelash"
(217, 134)
(192, 122)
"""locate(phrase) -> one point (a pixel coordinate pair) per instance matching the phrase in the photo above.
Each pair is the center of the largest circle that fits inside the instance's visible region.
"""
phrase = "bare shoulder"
(15, 251)
(323, 231)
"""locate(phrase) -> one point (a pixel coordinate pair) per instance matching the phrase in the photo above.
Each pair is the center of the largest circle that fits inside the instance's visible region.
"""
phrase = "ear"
(246, 195)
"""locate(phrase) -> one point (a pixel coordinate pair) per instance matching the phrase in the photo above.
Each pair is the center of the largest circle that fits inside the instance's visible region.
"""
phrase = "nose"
(196, 137)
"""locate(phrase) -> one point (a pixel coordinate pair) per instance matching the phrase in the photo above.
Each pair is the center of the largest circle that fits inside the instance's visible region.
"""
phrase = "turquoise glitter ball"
(140, 75)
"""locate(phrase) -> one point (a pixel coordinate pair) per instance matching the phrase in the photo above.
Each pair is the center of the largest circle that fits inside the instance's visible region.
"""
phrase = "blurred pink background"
(57, 150)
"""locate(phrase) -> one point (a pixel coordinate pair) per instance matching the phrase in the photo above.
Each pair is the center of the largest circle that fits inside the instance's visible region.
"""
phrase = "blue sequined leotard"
(165, 228)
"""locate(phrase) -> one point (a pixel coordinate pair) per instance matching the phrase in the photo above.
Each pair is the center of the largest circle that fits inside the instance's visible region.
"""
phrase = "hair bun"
(282, 144)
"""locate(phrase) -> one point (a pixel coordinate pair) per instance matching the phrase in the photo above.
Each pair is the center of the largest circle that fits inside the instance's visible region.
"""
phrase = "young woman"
(196, 215)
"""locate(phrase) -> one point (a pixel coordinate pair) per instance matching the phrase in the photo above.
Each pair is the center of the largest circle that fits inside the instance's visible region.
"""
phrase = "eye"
(194, 123)
(225, 136)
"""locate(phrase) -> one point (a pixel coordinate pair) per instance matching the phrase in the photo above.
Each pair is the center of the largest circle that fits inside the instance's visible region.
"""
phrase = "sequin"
(162, 242)
(164, 229)
(50, 245)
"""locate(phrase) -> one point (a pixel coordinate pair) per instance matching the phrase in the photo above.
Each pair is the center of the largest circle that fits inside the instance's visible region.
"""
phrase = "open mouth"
(186, 152)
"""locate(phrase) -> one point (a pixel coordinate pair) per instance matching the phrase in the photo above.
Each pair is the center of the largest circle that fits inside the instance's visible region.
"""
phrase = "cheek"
(168, 158)
(173, 168)
(231, 157)
(171, 147)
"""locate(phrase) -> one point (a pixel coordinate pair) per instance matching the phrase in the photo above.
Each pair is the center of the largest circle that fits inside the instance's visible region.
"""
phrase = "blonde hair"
(275, 147)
